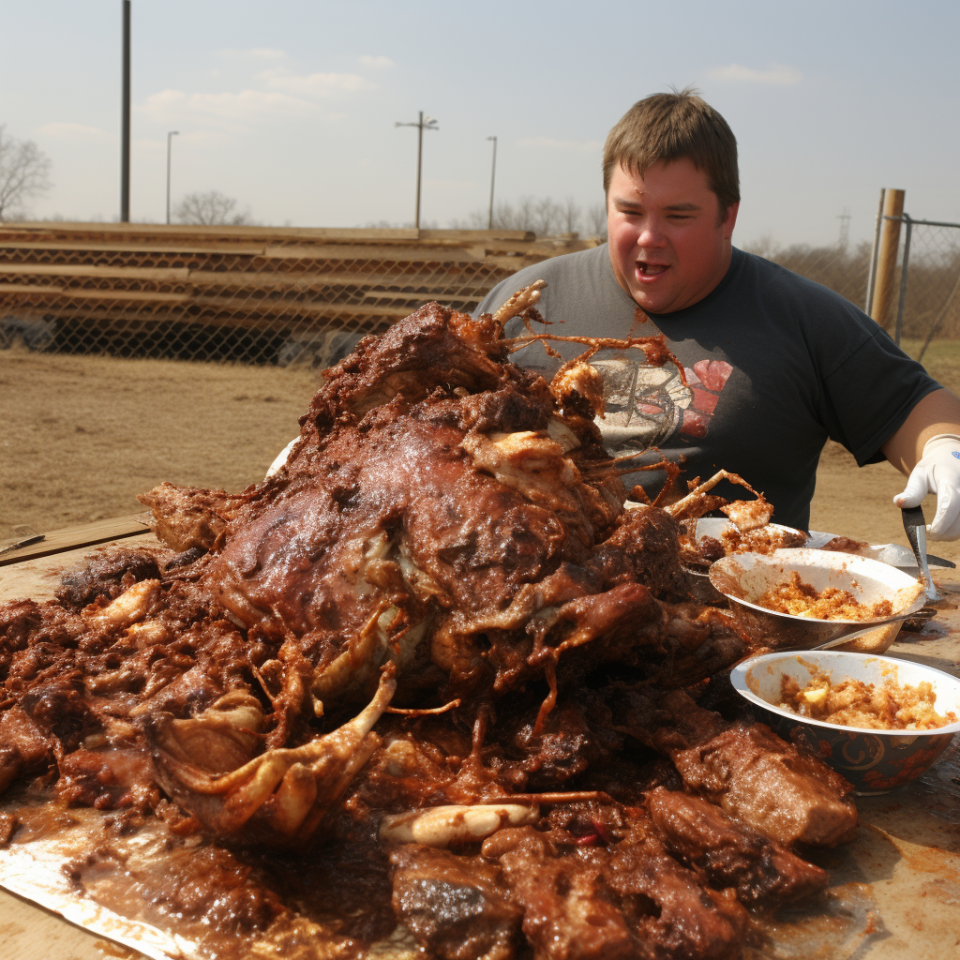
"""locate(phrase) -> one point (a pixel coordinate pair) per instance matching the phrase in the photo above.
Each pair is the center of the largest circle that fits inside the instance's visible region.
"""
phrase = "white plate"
(893, 553)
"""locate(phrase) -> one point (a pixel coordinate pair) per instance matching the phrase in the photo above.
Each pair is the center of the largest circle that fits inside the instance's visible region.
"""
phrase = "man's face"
(668, 246)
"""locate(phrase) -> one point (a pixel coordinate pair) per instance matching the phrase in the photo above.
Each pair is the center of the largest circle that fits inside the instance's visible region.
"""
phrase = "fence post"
(904, 271)
(887, 256)
(872, 270)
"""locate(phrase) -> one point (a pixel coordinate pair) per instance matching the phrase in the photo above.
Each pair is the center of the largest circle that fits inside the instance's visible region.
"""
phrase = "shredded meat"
(851, 702)
(801, 599)
(434, 621)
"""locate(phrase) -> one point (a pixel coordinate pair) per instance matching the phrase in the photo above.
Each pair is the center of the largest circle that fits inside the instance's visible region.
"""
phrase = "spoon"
(862, 631)
(916, 529)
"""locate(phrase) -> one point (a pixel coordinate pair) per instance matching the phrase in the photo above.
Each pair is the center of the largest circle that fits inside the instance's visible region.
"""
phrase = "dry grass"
(82, 436)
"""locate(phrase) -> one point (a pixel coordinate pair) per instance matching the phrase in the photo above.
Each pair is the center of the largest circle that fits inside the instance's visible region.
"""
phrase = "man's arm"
(936, 413)
(927, 446)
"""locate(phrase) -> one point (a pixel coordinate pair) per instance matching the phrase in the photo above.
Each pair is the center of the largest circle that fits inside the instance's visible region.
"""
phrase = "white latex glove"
(937, 472)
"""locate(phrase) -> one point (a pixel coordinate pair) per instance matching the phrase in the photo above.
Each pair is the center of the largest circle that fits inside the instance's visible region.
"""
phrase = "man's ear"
(729, 220)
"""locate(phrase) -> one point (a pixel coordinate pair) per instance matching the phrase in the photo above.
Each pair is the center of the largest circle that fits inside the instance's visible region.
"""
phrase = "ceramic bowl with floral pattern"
(874, 761)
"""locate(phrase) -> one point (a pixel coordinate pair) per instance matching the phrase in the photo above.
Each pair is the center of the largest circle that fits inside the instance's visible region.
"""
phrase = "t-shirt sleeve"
(869, 391)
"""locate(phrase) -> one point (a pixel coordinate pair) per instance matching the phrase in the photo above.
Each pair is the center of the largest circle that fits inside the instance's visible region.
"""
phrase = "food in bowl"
(874, 760)
(801, 599)
(851, 702)
(745, 578)
(708, 539)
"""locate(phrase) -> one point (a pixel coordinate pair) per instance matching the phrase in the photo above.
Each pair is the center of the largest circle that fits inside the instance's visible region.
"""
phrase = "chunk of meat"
(107, 779)
(766, 782)
(627, 900)
(105, 577)
(746, 769)
(24, 746)
(730, 854)
(455, 906)
(188, 517)
(579, 382)
(749, 514)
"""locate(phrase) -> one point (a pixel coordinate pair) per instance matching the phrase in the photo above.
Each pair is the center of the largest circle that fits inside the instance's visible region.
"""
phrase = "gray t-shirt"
(774, 363)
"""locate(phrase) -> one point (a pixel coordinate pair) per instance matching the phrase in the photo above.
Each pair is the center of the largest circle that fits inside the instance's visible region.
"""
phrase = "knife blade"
(24, 542)
(916, 530)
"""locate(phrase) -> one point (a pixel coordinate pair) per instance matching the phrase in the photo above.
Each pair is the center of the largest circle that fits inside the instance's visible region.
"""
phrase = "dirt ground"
(82, 436)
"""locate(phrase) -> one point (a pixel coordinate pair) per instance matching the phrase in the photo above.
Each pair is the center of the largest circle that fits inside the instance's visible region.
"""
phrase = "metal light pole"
(493, 174)
(170, 135)
(125, 118)
(424, 123)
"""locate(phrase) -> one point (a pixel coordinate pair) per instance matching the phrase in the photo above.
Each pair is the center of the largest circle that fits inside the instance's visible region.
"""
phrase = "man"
(774, 364)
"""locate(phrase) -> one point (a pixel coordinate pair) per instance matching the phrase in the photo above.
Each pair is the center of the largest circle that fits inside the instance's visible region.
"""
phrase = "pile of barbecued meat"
(434, 646)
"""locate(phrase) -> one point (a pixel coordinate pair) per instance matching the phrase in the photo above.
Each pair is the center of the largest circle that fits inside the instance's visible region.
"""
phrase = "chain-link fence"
(924, 289)
(921, 295)
(838, 268)
(251, 294)
(268, 295)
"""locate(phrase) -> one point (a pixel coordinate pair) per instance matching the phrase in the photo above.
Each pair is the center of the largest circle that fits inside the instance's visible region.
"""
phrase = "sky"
(290, 106)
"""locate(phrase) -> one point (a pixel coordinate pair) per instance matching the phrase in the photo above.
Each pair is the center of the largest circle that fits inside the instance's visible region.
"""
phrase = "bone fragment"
(441, 826)
(520, 301)
(132, 605)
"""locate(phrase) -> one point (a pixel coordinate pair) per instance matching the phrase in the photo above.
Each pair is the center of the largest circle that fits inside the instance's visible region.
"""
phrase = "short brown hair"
(668, 126)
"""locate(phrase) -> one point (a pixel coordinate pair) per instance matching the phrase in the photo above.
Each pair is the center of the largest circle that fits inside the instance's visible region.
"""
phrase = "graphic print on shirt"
(648, 405)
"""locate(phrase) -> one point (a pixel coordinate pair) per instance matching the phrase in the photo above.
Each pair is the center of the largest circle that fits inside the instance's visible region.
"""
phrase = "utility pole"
(170, 135)
(125, 120)
(424, 123)
(493, 174)
(844, 219)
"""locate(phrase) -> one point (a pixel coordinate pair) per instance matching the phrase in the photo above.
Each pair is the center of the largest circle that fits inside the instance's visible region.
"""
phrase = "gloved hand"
(937, 472)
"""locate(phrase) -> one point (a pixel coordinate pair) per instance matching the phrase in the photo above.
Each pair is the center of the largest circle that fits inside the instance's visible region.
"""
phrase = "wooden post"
(887, 257)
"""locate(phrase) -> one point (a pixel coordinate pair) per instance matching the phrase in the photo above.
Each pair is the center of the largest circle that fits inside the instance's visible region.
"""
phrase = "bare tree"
(766, 246)
(595, 222)
(476, 220)
(211, 209)
(24, 174)
(544, 216)
(571, 216)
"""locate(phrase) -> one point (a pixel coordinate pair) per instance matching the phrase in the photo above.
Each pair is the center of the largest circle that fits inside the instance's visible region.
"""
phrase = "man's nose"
(651, 233)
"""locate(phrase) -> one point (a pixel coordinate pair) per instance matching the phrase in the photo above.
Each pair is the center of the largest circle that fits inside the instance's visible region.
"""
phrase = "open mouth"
(650, 270)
